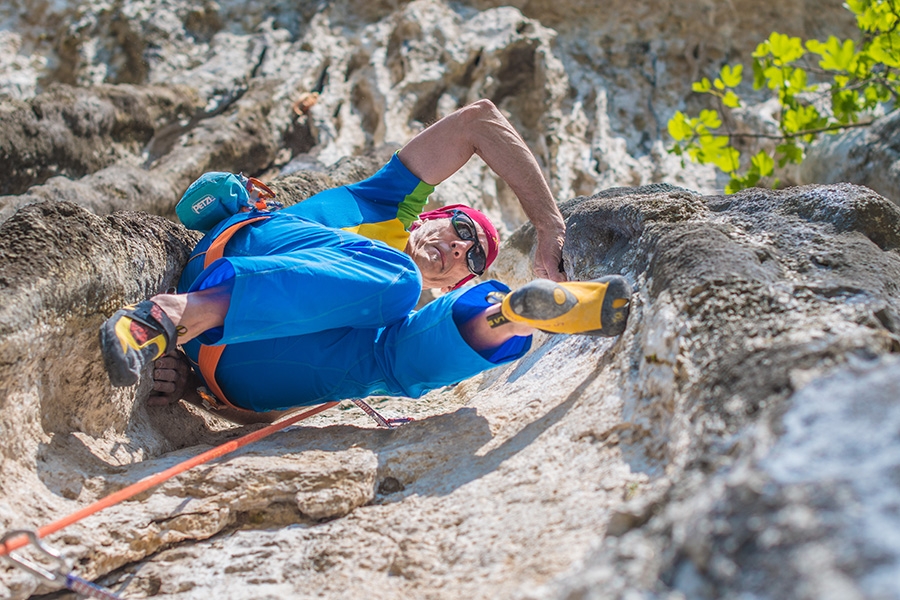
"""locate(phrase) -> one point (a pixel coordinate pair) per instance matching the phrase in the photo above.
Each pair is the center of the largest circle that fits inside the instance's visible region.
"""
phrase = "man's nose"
(460, 247)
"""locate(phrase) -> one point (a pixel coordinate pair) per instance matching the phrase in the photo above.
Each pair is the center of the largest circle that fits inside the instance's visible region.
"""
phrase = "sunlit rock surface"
(740, 438)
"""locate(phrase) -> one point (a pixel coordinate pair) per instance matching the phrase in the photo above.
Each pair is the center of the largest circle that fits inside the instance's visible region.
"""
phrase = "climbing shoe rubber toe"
(133, 337)
(598, 307)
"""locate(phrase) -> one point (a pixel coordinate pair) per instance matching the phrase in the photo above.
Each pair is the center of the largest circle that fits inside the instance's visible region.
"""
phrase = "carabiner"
(58, 575)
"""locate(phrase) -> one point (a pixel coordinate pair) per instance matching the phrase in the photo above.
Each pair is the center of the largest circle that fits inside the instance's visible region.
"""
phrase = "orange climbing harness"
(209, 356)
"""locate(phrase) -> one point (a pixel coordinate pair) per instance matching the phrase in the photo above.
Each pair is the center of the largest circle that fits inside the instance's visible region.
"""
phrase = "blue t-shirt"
(381, 207)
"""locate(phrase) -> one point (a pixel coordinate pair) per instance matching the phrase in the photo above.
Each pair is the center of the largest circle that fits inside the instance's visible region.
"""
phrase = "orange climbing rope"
(14, 543)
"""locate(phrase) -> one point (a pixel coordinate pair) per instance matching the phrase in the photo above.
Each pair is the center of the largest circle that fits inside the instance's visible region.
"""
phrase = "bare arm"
(480, 128)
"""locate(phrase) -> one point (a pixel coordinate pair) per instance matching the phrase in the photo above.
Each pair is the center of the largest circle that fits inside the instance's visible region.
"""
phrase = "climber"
(314, 302)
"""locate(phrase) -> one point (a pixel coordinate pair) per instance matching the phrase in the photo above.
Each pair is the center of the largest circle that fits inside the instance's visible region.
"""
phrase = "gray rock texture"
(869, 156)
(740, 439)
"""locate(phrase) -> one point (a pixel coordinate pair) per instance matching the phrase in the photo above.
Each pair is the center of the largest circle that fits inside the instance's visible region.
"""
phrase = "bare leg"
(196, 312)
(480, 335)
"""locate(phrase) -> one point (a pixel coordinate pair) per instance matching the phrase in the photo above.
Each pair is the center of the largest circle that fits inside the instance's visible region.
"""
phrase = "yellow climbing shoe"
(132, 338)
(598, 307)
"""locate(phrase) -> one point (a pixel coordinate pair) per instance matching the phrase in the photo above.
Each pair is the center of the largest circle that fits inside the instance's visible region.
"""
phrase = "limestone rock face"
(590, 88)
(690, 454)
(868, 156)
(236, 140)
(75, 131)
(739, 439)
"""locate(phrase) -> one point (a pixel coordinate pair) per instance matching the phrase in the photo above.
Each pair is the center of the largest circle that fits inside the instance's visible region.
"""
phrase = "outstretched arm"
(480, 128)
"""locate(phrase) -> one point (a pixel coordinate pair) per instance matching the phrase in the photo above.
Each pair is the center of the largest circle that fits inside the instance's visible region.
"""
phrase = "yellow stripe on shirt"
(390, 232)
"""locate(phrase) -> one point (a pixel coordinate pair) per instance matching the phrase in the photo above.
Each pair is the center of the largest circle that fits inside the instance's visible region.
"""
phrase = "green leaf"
(845, 105)
(763, 163)
(738, 183)
(732, 76)
(785, 49)
(791, 121)
(710, 118)
(762, 50)
(836, 55)
(702, 86)
(864, 65)
(855, 6)
(728, 159)
(694, 154)
(797, 80)
(815, 46)
(790, 152)
(720, 85)
(788, 100)
(679, 128)
(801, 118)
(884, 49)
(731, 100)
(734, 186)
(875, 94)
(775, 77)
(759, 75)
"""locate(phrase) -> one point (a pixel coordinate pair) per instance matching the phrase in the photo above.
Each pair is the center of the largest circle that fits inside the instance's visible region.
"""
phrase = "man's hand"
(548, 257)
(171, 374)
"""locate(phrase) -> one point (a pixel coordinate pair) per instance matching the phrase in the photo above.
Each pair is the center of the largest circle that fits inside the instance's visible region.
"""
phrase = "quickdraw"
(389, 423)
(58, 572)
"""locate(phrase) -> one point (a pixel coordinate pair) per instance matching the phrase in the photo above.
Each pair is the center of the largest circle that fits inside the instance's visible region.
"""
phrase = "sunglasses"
(464, 226)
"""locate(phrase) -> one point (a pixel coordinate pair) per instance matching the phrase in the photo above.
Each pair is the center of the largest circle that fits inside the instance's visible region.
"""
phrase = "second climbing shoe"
(134, 337)
(597, 307)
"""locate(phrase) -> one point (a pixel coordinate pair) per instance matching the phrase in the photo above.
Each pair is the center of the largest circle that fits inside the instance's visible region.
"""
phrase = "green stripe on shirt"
(408, 210)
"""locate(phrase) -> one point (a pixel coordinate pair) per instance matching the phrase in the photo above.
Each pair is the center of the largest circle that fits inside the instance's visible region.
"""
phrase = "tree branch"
(772, 136)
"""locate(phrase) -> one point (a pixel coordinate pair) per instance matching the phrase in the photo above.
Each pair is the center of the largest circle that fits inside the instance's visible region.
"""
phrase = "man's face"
(440, 253)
